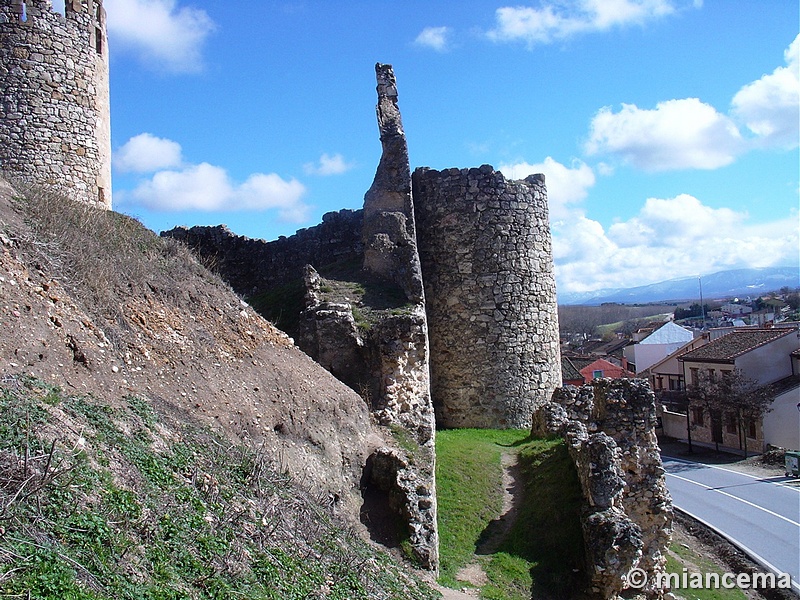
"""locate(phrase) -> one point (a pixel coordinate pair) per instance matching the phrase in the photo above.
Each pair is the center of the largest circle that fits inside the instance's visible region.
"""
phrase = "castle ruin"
(468, 246)
(55, 121)
(490, 295)
(627, 516)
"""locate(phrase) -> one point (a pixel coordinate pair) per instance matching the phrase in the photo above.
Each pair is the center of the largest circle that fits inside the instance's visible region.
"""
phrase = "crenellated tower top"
(55, 123)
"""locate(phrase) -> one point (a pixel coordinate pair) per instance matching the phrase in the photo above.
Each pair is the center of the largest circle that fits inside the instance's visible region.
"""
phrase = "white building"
(658, 345)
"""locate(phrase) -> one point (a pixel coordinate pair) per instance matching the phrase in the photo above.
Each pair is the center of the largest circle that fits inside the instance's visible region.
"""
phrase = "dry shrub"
(102, 256)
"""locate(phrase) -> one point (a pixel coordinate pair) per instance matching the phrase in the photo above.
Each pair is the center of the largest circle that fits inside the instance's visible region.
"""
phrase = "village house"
(657, 345)
(770, 357)
(666, 376)
(577, 370)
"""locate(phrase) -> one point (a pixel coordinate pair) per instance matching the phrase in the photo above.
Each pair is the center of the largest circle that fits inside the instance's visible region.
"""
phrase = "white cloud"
(565, 185)
(677, 134)
(166, 36)
(559, 20)
(328, 165)
(437, 38)
(146, 153)
(209, 188)
(770, 106)
(673, 222)
(669, 238)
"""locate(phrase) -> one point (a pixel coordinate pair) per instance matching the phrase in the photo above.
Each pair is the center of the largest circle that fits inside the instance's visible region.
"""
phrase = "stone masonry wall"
(253, 265)
(390, 245)
(401, 340)
(609, 427)
(485, 248)
(54, 100)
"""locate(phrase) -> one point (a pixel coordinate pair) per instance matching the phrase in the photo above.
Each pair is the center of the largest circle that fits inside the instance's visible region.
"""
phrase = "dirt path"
(472, 575)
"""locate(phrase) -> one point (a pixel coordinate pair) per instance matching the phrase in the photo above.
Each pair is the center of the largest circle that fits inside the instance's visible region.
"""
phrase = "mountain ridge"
(722, 284)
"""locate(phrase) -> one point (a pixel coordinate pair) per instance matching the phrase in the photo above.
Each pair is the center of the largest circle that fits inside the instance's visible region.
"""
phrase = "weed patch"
(188, 517)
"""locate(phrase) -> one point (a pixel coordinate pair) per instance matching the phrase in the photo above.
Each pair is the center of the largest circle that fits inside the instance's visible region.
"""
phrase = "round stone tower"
(55, 125)
(486, 253)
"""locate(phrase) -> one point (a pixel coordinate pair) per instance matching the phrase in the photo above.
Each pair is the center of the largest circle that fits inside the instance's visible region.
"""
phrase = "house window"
(659, 383)
(711, 374)
(676, 384)
(597, 374)
(695, 375)
(98, 40)
(750, 428)
(730, 423)
(697, 417)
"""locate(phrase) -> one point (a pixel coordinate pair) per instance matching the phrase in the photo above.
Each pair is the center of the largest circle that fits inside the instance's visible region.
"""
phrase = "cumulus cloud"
(208, 187)
(554, 21)
(565, 185)
(437, 38)
(166, 36)
(672, 237)
(328, 165)
(673, 221)
(689, 134)
(176, 186)
(770, 105)
(146, 153)
(677, 134)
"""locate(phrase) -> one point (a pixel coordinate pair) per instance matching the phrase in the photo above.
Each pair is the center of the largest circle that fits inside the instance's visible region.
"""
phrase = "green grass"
(545, 544)
(542, 553)
(548, 532)
(469, 494)
(680, 556)
(186, 516)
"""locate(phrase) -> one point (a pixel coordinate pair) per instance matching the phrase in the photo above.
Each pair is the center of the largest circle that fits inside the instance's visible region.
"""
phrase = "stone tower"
(486, 253)
(55, 124)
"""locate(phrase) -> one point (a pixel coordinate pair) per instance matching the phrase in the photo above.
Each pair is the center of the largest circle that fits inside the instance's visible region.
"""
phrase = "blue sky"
(667, 129)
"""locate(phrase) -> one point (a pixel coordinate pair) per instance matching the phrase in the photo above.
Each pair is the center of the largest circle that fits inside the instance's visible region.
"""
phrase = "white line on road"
(761, 479)
(754, 555)
(774, 514)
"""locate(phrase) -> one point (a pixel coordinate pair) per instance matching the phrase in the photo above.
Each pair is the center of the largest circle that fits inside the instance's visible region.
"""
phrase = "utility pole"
(702, 306)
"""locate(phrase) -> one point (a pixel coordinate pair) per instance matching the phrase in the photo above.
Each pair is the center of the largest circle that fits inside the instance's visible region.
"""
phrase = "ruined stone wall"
(485, 247)
(400, 341)
(609, 427)
(253, 265)
(390, 244)
(54, 99)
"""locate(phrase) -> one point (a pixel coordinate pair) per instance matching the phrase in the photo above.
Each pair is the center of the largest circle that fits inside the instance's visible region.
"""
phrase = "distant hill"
(737, 282)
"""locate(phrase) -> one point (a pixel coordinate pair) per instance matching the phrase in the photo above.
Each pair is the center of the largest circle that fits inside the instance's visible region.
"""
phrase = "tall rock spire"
(390, 245)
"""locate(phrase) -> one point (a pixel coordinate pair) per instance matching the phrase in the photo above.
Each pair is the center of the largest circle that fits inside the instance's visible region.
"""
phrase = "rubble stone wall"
(609, 428)
(252, 265)
(486, 253)
(55, 127)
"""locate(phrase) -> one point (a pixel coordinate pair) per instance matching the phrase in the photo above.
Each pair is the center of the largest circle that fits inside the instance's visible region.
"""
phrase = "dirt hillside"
(94, 302)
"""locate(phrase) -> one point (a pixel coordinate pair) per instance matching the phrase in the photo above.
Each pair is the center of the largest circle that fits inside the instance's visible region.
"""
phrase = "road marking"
(754, 555)
(761, 479)
(766, 510)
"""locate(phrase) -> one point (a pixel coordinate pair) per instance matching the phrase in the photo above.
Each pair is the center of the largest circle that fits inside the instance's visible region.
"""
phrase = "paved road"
(759, 514)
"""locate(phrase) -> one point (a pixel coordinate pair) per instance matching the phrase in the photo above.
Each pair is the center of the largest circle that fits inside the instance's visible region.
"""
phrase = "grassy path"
(509, 525)
(490, 537)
